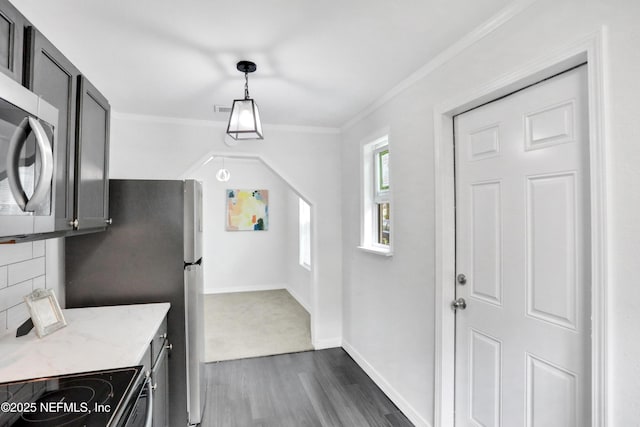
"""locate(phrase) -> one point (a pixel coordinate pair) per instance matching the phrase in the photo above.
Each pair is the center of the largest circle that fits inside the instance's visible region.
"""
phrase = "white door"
(522, 241)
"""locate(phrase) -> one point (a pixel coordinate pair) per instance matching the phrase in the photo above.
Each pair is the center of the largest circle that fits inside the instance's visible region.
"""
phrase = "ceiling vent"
(221, 109)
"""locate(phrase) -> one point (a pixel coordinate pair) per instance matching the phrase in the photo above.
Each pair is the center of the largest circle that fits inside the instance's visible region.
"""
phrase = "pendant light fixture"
(223, 174)
(244, 122)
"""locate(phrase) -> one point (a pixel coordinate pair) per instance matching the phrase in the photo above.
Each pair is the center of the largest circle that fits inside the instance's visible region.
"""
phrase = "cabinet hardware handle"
(108, 221)
(162, 336)
(169, 347)
(74, 223)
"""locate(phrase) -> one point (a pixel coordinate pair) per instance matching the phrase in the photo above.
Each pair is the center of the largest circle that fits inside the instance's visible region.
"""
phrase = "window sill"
(377, 251)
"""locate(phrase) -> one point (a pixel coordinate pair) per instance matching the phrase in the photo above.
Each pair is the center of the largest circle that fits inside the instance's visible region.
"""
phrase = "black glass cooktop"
(78, 400)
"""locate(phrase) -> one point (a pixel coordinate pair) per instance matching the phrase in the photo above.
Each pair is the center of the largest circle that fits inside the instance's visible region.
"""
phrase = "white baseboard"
(251, 288)
(387, 388)
(327, 343)
(296, 296)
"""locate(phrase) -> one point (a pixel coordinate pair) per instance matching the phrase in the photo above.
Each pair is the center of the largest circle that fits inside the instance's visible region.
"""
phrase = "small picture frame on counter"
(45, 311)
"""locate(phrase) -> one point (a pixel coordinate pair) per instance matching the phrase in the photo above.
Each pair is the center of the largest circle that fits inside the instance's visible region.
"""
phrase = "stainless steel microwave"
(28, 158)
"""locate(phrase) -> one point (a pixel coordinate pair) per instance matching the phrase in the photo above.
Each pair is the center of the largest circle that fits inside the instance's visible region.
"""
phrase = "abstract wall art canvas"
(247, 210)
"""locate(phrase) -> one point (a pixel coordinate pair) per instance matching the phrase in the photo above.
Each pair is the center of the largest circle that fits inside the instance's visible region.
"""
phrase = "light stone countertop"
(95, 338)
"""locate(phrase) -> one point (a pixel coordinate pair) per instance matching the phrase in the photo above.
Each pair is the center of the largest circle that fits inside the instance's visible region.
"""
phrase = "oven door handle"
(43, 187)
(149, 416)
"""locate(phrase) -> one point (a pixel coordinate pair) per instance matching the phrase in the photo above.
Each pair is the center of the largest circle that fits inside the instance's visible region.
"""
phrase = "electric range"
(98, 398)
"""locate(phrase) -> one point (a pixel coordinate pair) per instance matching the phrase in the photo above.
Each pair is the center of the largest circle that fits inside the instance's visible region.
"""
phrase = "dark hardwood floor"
(323, 388)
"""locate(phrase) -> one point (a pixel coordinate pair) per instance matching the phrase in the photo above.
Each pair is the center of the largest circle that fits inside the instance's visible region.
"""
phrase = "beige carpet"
(251, 324)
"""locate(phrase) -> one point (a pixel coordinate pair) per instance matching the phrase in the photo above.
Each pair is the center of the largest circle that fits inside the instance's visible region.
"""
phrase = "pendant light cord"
(246, 85)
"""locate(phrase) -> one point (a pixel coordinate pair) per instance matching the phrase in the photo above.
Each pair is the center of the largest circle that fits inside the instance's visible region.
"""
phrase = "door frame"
(591, 50)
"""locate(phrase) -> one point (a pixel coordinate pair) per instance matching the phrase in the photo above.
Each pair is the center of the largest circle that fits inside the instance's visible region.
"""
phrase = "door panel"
(486, 239)
(551, 395)
(551, 249)
(550, 126)
(11, 40)
(92, 151)
(485, 386)
(522, 240)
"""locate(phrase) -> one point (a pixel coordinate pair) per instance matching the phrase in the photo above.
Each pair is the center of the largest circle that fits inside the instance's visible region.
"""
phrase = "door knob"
(460, 303)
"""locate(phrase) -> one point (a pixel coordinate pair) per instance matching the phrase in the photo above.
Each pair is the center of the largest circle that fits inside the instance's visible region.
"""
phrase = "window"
(381, 197)
(376, 203)
(304, 223)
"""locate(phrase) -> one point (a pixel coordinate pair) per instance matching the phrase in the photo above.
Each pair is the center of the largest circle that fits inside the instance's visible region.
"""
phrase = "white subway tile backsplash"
(24, 270)
(10, 254)
(38, 248)
(15, 294)
(40, 282)
(16, 315)
(3, 322)
(3, 277)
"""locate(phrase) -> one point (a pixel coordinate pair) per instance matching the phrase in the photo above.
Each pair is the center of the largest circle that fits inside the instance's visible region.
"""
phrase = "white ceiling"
(320, 63)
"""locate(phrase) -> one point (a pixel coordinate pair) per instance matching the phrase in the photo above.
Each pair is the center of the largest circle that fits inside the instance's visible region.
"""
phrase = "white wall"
(389, 302)
(247, 261)
(298, 277)
(238, 261)
(307, 159)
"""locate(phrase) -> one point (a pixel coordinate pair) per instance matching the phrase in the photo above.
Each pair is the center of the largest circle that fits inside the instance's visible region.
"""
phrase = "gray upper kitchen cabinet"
(92, 153)
(82, 147)
(82, 175)
(11, 40)
(49, 74)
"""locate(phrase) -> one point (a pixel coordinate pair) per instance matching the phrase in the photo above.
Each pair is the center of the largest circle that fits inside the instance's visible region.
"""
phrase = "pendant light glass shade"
(244, 122)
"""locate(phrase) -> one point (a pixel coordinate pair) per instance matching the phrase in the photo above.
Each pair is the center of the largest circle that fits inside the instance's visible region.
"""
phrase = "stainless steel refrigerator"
(152, 252)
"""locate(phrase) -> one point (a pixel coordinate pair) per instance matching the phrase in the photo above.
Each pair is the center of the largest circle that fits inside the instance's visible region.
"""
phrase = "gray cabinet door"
(11, 40)
(49, 74)
(92, 152)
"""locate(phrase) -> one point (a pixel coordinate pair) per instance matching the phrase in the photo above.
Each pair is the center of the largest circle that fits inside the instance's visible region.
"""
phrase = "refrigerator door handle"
(198, 263)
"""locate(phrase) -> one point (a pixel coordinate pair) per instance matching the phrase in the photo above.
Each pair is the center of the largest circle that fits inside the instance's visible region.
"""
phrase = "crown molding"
(486, 28)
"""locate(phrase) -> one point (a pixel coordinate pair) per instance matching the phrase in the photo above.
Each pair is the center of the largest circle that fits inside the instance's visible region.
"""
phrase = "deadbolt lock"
(462, 279)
